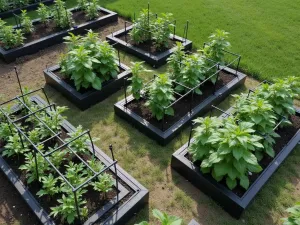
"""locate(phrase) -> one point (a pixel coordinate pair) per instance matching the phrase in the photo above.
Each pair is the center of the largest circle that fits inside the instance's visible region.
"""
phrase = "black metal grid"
(22, 105)
(191, 90)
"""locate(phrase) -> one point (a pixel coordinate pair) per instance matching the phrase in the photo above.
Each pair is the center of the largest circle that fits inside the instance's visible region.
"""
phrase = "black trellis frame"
(191, 90)
(55, 135)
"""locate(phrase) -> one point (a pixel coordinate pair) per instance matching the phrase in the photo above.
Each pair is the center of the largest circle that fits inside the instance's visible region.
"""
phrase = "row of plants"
(150, 27)
(231, 149)
(12, 4)
(53, 186)
(89, 61)
(11, 37)
(185, 72)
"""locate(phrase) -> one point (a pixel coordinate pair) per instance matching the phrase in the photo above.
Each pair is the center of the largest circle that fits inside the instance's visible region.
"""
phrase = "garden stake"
(116, 172)
(20, 86)
(174, 29)
(77, 207)
(94, 153)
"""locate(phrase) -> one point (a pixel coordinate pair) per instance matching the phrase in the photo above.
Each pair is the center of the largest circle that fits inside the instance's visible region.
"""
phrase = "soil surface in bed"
(182, 107)
(286, 134)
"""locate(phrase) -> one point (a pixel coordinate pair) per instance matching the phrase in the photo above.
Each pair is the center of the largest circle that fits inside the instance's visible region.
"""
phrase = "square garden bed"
(145, 51)
(44, 37)
(122, 202)
(236, 201)
(88, 97)
(186, 109)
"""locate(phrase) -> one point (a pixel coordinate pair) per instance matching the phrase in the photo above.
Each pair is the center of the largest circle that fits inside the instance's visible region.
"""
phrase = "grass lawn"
(265, 33)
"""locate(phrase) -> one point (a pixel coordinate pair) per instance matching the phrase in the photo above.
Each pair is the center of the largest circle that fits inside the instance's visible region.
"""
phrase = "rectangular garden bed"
(143, 51)
(87, 98)
(128, 196)
(54, 36)
(163, 132)
(32, 6)
(237, 200)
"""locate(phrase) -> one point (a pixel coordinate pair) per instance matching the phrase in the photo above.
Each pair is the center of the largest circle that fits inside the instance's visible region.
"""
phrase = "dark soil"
(182, 107)
(147, 46)
(83, 90)
(286, 134)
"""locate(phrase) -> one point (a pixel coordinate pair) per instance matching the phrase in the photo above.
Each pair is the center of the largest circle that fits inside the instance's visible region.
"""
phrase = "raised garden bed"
(44, 37)
(32, 6)
(88, 97)
(237, 200)
(145, 51)
(126, 198)
(164, 131)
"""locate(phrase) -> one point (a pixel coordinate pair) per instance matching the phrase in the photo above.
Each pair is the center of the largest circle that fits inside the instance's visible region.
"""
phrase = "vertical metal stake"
(77, 207)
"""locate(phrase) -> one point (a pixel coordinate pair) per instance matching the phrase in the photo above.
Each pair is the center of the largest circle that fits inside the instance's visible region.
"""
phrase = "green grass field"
(265, 33)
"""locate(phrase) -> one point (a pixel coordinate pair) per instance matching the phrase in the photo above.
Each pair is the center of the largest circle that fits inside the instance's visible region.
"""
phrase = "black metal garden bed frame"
(123, 212)
(32, 6)
(164, 136)
(152, 59)
(56, 38)
(88, 99)
(228, 200)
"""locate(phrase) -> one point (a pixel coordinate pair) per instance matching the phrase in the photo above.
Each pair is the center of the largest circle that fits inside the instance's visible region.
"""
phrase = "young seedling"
(163, 218)
(104, 184)
(50, 186)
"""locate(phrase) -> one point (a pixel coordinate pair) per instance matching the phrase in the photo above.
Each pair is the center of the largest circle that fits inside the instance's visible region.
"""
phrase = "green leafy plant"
(62, 17)
(201, 149)
(260, 112)
(233, 156)
(82, 4)
(104, 184)
(89, 62)
(136, 81)
(294, 215)
(281, 95)
(58, 157)
(50, 186)
(92, 9)
(67, 207)
(163, 218)
(26, 23)
(5, 131)
(30, 166)
(192, 73)
(80, 144)
(14, 146)
(214, 49)
(141, 30)
(96, 165)
(4, 5)
(162, 28)
(10, 37)
(175, 61)
(44, 13)
(161, 96)
(75, 173)
(34, 136)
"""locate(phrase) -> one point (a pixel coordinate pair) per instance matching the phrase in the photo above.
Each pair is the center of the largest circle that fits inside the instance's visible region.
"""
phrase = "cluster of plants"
(148, 27)
(231, 148)
(187, 71)
(10, 37)
(11, 4)
(90, 7)
(294, 215)
(163, 218)
(89, 61)
(52, 184)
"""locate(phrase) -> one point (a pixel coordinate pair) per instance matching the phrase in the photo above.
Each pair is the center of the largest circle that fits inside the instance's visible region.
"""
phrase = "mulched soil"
(147, 46)
(286, 133)
(182, 107)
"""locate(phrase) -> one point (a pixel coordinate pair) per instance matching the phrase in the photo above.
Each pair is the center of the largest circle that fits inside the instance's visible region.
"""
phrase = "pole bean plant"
(40, 173)
(89, 61)
(148, 27)
(163, 218)
(230, 148)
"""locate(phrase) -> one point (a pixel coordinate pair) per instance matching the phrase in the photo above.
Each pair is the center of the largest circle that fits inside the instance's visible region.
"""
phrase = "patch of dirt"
(182, 107)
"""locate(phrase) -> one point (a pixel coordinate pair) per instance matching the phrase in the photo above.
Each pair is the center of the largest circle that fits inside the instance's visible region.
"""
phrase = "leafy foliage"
(89, 62)
(214, 49)
(4, 5)
(14, 146)
(80, 144)
(174, 61)
(294, 215)
(75, 173)
(44, 13)
(136, 81)
(10, 37)
(163, 218)
(92, 9)
(62, 17)
(67, 207)
(104, 184)
(5, 132)
(26, 23)
(82, 4)
(281, 95)
(162, 28)
(161, 96)
(50, 186)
